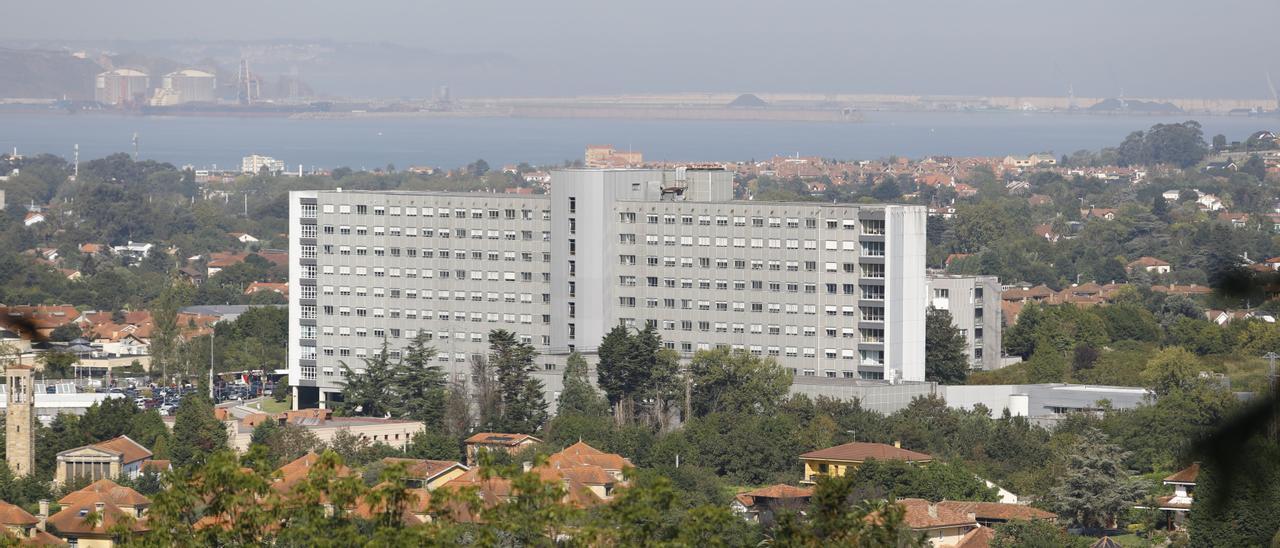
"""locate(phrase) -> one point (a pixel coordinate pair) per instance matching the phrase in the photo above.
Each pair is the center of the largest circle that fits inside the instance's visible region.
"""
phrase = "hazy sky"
(1147, 47)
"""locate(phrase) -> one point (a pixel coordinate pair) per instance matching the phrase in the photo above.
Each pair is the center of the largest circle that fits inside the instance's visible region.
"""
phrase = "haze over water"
(376, 142)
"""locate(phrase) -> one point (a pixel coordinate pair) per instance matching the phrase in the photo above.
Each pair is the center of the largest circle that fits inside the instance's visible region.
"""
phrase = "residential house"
(1209, 202)
(990, 514)
(116, 506)
(428, 474)
(25, 528)
(33, 218)
(133, 250)
(1237, 220)
(763, 504)
(844, 459)
(1046, 231)
(589, 476)
(93, 249)
(1175, 507)
(38, 321)
(942, 526)
(243, 238)
(491, 441)
(1150, 264)
(109, 459)
(1099, 213)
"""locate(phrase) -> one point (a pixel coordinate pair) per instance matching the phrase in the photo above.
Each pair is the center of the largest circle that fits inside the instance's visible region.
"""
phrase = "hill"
(45, 74)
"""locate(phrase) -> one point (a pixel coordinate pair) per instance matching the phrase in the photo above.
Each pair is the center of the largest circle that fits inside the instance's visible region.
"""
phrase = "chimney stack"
(44, 514)
(99, 507)
(897, 444)
(527, 465)
(933, 511)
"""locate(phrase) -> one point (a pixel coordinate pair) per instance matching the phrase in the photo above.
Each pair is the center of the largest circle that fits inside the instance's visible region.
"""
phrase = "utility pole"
(211, 334)
(1271, 356)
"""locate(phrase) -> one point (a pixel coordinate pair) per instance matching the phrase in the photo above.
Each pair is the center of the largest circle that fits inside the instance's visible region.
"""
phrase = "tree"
(419, 387)
(946, 359)
(637, 374)
(196, 432)
(110, 418)
(1097, 488)
(57, 364)
(579, 395)
(1034, 534)
(522, 408)
(935, 482)
(284, 442)
(164, 338)
(735, 382)
(368, 392)
(148, 429)
(837, 517)
(65, 332)
(1236, 502)
(1172, 369)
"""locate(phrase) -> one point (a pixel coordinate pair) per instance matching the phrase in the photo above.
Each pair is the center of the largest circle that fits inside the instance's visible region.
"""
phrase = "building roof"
(108, 491)
(11, 514)
(495, 438)
(1147, 261)
(423, 468)
(580, 454)
(980, 537)
(997, 510)
(921, 514)
(1106, 542)
(861, 451)
(129, 450)
(779, 492)
(1186, 475)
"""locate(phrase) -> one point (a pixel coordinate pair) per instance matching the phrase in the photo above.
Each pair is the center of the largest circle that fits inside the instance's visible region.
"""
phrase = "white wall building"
(832, 291)
(120, 86)
(254, 163)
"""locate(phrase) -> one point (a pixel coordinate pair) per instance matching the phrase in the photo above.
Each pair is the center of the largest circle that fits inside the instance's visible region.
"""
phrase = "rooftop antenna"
(135, 146)
(76, 170)
(1071, 97)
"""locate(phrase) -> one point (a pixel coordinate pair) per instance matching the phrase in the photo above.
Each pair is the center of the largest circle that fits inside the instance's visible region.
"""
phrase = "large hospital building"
(836, 293)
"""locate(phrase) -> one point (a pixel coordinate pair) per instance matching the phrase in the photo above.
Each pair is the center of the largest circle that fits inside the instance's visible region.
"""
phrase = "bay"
(366, 142)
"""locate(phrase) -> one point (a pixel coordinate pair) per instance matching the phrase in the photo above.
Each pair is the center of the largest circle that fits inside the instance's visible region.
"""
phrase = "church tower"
(19, 424)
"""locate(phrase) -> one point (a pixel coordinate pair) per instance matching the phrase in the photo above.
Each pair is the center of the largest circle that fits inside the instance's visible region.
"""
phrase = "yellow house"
(944, 527)
(492, 441)
(843, 459)
(115, 506)
(428, 474)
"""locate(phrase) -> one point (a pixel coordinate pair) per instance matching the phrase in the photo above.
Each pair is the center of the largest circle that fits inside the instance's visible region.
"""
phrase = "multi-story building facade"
(834, 291)
(974, 305)
(254, 163)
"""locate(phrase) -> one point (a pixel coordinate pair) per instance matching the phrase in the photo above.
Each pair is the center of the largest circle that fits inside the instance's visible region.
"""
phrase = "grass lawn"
(270, 405)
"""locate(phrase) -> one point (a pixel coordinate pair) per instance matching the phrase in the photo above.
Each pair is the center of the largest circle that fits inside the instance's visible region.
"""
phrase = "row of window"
(867, 358)
(869, 226)
(446, 233)
(868, 292)
(428, 294)
(309, 251)
(442, 315)
(867, 249)
(457, 274)
(439, 212)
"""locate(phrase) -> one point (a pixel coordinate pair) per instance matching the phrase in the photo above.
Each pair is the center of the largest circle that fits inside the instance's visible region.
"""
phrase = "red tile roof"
(997, 510)
(1186, 475)
(130, 451)
(494, 438)
(779, 491)
(921, 514)
(861, 451)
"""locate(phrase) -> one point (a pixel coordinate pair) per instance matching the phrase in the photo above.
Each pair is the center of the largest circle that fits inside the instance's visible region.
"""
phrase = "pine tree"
(419, 385)
(1097, 487)
(196, 432)
(369, 392)
(946, 359)
(578, 395)
(522, 407)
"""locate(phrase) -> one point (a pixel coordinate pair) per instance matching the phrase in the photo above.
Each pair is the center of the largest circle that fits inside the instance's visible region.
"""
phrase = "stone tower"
(19, 424)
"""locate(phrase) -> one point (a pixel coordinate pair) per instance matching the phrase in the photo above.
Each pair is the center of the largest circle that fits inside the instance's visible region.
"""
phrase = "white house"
(135, 250)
